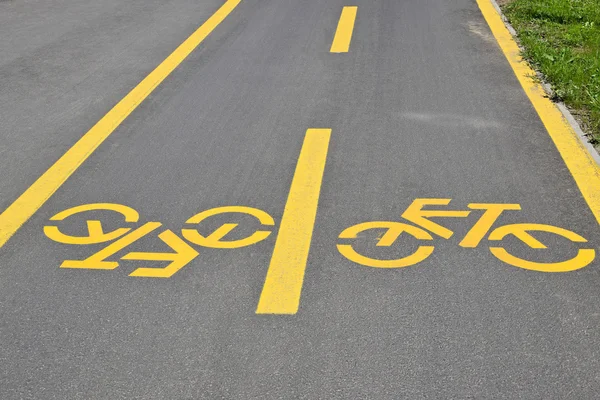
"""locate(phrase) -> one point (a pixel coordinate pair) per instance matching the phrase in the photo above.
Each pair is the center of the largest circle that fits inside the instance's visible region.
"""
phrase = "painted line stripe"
(283, 284)
(343, 33)
(580, 163)
(44, 187)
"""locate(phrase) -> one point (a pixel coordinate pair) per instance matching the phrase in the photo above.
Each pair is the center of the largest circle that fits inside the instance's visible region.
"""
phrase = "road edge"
(548, 89)
(581, 164)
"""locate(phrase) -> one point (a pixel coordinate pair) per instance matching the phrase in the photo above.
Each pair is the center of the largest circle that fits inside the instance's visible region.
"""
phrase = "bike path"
(422, 106)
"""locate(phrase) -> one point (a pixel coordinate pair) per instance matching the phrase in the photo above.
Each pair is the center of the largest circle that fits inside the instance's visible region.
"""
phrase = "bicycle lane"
(414, 112)
(224, 129)
(445, 118)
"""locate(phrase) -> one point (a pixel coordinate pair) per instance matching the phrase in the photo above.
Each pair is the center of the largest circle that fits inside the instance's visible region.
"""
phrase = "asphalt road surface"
(318, 202)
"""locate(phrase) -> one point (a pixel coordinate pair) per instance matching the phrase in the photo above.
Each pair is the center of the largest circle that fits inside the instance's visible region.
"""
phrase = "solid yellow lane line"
(283, 285)
(40, 191)
(580, 163)
(343, 33)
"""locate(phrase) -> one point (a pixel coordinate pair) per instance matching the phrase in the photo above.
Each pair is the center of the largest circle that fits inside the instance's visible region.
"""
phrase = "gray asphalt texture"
(423, 105)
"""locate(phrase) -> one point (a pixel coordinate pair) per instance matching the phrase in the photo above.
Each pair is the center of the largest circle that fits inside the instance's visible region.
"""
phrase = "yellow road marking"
(40, 191)
(283, 284)
(214, 239)
(183, 254)
(485, 222)
(98, 260)
(580, 163)
(394, 230)
(521, 231)
(415, 214)
(343, 33)
(96, 232)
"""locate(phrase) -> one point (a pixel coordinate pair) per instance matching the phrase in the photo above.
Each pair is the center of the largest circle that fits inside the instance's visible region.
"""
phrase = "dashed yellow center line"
(283, 284)
(343, 33)
(44, 187)
(580, 163)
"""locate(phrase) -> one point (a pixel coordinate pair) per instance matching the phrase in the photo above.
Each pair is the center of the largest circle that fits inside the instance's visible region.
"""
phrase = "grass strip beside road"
(561, 39)
(578, 160)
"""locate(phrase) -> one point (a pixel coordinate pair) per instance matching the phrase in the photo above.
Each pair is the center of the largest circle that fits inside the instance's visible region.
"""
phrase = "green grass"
(561, 39)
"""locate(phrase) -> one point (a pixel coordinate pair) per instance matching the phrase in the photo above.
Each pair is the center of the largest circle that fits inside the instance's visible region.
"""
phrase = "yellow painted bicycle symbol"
(425, 228)
(182, 253)
(418, 224)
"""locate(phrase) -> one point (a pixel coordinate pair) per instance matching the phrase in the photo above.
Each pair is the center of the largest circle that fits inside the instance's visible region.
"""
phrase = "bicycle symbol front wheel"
(583, 258)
